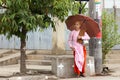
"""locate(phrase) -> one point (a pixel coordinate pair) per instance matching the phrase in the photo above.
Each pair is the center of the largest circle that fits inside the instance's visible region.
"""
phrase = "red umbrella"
(91, 26)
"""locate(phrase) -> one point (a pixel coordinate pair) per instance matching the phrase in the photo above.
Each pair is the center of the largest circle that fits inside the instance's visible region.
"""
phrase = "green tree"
(22, 16)
(110, 34)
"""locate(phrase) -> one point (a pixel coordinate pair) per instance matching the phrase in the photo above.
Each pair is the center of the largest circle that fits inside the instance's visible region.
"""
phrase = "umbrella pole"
(95, 45)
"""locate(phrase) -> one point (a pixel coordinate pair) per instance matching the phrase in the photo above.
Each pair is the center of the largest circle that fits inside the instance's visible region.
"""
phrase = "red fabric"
(99, 35)
(76, 70)
(83, 69)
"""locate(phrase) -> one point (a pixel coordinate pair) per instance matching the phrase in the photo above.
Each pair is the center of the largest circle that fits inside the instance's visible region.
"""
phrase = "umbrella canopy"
(87, 23)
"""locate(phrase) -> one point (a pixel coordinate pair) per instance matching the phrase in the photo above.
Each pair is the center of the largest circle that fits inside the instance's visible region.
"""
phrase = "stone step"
(43, 52)
(39, 67)
(112, 61)
(114, 53)
(12, 59)
(117, 51)
(38, 62)
(9, 53)
(2, 52)
(38, 57)
(113, 56)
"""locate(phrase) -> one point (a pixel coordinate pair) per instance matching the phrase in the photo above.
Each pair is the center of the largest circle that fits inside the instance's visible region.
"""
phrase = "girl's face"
(77, 25)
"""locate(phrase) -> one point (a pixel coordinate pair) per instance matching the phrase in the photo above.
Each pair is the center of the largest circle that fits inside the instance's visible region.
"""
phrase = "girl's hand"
(79, 37)
(73, 49)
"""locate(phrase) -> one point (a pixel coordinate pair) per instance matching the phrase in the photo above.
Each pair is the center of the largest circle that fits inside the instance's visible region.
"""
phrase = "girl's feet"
(80, 75)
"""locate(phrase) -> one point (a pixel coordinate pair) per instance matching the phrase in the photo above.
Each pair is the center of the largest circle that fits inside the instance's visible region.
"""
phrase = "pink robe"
(79, 54)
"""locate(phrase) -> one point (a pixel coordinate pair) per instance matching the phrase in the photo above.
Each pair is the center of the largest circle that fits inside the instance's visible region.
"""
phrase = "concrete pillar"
(95, 49)
(90, 66)
(92, 9)
(63, 66)
(58, 37)
(95, 46)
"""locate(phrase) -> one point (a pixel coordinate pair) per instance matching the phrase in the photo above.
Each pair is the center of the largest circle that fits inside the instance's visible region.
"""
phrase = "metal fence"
(35, 40)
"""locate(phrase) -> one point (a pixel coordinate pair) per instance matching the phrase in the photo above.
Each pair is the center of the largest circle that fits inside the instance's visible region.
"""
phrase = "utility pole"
(103, 3)
(114, 7)
(95, 44)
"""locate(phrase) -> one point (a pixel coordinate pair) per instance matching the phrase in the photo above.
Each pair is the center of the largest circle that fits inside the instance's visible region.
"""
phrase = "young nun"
(75, 42)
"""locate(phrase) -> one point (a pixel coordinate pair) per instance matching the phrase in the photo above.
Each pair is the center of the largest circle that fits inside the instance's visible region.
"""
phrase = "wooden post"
(95, 46)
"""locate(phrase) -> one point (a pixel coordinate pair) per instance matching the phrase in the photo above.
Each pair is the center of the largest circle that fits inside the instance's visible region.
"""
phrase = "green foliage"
(29, 14)
(17, 17)
(76, 6)
(110, 34)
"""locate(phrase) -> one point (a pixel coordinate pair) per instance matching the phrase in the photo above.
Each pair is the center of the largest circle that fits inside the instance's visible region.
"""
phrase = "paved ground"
(43, 77)
(115, 68)
(95, 78)
(12, 69)
(9, 70)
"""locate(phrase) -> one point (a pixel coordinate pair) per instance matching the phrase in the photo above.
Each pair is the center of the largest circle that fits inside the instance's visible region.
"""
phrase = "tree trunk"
(23, 53)
(58, 38)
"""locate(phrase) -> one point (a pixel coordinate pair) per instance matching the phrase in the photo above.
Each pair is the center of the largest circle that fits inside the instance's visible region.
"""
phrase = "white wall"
(110, 3)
